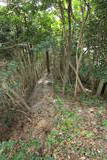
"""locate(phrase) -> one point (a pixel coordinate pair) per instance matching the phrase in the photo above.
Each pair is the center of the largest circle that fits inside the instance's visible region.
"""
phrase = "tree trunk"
(67, 47)
(100, 87)
(47, 62)
(69, 23)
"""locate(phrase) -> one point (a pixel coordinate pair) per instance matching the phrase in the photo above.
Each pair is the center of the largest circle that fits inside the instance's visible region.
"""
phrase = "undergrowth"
(70, 137)
(92, 100)
(21, 150)
(17, 78)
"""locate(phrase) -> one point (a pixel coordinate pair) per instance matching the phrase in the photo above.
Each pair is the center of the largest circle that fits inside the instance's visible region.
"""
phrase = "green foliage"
(8, 71)
(92, 100)
(87, 134)
(12, 150)
(104, 123)
(100, 72)
(67, 126)
(6, 76)
(45, 25)
(57, 87)
(5, 148)
(84, 70)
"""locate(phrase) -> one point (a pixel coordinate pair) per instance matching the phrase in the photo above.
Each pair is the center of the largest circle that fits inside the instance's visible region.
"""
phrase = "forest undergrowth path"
(41, 102)
(80, 126)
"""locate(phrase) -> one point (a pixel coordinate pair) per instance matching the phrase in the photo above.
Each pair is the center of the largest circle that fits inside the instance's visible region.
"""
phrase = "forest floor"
(60, 128)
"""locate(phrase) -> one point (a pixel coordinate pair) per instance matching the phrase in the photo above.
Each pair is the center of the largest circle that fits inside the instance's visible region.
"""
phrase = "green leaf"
(104, 123)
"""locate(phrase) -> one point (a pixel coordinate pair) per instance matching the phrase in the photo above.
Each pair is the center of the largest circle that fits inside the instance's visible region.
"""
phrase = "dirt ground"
(89, 140)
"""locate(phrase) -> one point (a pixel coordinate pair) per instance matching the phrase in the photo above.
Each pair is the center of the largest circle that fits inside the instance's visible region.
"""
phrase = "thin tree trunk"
(68, 47)
(79, 81)
(80, 46)
(47, 62)
(100, 87)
